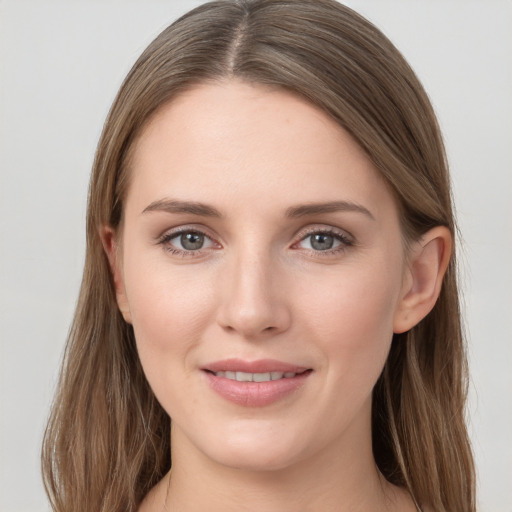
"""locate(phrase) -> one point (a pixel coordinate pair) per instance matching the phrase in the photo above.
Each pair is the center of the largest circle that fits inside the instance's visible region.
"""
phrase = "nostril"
(253, 314)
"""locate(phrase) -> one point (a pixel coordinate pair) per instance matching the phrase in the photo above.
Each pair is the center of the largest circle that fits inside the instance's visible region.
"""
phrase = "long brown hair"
(108, 439)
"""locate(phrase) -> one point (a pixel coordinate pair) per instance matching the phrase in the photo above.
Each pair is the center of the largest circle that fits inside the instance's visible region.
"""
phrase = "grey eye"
(187, 242)
(321, 241)
(325, 241)
(191, 241)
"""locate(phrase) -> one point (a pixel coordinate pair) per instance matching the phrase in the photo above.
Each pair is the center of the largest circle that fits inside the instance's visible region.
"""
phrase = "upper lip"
(259, 366)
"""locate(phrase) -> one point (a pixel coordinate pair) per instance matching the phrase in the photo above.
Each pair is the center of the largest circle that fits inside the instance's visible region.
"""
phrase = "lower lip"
(255, 394)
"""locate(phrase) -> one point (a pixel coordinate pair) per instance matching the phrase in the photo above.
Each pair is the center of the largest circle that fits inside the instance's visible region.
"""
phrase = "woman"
(269, 294)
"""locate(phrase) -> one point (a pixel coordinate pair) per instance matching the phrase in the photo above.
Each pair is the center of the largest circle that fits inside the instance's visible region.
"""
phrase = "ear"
(428, 261)
(111, 248)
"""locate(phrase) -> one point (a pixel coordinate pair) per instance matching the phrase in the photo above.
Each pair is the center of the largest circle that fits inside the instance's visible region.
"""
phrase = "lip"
(259, 366)
(255, 394)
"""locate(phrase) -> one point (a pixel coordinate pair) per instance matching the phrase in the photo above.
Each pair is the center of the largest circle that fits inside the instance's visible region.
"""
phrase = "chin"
(254, 448)
(256, 461)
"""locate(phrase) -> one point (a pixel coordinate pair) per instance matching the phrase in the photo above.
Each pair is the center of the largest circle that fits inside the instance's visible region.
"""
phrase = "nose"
(254, 302)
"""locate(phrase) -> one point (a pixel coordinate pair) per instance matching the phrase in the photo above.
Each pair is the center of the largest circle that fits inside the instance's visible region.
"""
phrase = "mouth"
(257, 377)
(256, 383)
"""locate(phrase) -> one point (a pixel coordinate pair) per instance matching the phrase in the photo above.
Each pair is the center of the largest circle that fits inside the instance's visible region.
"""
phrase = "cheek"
(353, 324)
(169, 308)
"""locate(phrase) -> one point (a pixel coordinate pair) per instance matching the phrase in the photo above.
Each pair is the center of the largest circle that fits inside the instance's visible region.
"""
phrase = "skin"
(259, 289)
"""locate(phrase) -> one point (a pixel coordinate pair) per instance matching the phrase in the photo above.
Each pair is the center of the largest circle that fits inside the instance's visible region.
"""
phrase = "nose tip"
(253, 304)
(252, 322)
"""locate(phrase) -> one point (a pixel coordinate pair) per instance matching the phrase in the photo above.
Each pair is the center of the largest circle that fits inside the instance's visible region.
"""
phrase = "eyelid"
(185, 228)
(325, 228)
(172, 233)
(342, 235)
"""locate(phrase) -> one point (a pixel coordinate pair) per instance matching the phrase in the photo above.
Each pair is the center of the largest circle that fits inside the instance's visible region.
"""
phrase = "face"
(261, 264)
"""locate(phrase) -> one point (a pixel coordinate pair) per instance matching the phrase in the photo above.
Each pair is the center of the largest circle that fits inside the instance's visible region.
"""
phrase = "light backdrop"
(61, 63)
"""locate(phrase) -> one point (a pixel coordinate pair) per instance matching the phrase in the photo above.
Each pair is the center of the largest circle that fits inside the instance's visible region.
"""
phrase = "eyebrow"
(205, 210)
(175, 206)
(330, 207)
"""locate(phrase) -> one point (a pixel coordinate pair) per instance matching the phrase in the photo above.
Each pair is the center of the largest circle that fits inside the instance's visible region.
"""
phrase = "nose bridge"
(253, 304)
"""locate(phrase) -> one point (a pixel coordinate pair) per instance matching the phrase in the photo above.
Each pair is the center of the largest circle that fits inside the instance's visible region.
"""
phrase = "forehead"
(234, 141)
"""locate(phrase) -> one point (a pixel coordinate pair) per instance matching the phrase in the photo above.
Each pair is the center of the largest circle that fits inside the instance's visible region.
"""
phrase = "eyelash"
(166, 238)
(343, 239)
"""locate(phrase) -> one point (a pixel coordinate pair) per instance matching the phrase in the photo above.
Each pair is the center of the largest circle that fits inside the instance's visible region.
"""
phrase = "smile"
(255, 377)
(255, 383)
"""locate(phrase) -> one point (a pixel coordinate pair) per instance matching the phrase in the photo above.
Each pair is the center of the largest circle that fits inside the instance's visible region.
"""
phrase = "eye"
(186, 242)
(190, 241)
(321, 241)
(326, 241)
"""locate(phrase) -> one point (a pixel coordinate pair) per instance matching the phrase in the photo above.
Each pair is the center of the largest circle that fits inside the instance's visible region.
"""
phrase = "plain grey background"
(61, 63)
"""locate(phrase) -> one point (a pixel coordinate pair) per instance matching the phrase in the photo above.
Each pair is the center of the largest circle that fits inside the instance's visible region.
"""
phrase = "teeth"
(261, 377)
(255, 377)
(244, 377)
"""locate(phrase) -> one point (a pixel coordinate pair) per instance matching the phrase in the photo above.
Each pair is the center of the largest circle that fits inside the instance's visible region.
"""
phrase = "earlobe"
(428, 261)
(108, 239)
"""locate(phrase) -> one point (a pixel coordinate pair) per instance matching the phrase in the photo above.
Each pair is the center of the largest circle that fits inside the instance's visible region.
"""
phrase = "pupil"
(192, 241)
(322, 242)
